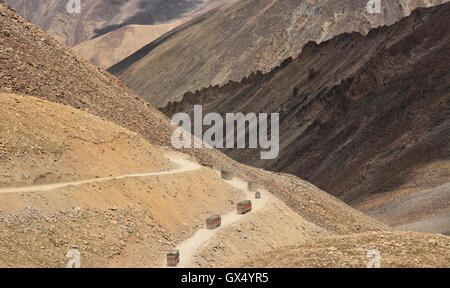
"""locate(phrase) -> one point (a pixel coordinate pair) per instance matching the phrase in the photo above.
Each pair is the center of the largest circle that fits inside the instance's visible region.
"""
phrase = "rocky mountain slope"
(365, 118)
(61, 143)
(45, 143)
(113, 221)
(230, 42)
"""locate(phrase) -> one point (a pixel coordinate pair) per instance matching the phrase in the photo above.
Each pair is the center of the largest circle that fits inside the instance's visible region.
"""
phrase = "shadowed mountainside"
(366, 118)
(230, 42)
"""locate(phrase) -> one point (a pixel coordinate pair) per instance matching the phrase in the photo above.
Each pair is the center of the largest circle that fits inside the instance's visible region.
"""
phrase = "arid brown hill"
(34, 64)
(365, 118)
(246, 36)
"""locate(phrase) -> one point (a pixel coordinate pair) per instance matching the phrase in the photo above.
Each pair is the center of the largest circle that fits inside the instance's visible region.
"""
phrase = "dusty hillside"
(397, 250)
(365, 118)
(60, 144)
(113, 222)
(32, 63)
(246, 36)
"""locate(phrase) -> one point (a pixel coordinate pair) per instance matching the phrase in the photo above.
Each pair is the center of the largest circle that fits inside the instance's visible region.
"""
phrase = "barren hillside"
(113, 220)
(54, 144)
(365, 118)
(230, 42)
(110, 194)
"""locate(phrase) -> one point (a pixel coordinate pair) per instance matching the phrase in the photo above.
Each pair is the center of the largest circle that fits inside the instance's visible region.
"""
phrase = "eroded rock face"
(365, 118)
(230, 42)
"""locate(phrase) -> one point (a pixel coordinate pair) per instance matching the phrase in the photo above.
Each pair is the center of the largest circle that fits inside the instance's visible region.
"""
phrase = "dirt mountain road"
(183, 163)
(189, 248)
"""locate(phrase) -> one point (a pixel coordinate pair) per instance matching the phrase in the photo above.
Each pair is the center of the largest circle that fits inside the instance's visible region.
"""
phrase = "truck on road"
(244, 207)
(227, 175)
(252, 186)
(213, 222)
(173, 258)
(207, 164)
